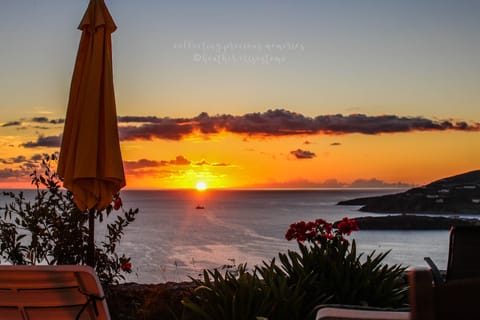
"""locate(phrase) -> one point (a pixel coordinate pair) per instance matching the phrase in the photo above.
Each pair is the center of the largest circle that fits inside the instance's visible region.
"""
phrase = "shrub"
(263, 293)
(342, 274)
(52, 230)
(325, 270)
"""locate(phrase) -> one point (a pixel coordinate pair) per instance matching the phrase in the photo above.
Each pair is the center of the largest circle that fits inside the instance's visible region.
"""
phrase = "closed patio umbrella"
(90, 161)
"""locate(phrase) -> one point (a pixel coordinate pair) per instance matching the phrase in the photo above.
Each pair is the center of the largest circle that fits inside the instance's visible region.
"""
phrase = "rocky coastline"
(412, 222)
(458, 194)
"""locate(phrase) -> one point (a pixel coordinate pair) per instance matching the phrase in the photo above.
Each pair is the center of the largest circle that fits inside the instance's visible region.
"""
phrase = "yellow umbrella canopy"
(90, 160)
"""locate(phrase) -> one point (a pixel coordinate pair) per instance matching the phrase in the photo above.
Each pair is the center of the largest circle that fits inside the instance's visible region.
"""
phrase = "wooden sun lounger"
(342, 312)
(51, 293)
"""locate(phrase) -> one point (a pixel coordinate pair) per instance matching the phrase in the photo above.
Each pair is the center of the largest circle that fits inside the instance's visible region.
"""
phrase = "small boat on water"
(200, 207)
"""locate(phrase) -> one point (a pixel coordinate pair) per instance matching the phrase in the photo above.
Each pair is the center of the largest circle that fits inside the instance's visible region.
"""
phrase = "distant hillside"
(411, 222)
(456, 194)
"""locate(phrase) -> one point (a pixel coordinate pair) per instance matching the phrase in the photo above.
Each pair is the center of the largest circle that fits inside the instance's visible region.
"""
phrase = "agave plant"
(348, 277)
(264, 293)
(327, 269)
(341, 273)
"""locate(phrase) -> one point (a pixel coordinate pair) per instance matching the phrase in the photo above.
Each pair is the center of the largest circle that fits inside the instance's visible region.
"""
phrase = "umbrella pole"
(91, 238)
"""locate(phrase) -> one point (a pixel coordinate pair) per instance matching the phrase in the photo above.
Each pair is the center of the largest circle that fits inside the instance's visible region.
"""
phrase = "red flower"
(117, 203)
(126, 266)
(328, 236)
(319, 229)
(346, 226)
(328, 227)
(322, 224)
(311, 225)
(290, 234)
(299, 231)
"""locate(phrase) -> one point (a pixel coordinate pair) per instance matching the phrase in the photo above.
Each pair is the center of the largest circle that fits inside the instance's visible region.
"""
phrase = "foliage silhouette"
(52, 230)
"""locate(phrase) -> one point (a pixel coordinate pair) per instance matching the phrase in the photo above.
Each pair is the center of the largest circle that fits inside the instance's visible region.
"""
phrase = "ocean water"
(172, 240)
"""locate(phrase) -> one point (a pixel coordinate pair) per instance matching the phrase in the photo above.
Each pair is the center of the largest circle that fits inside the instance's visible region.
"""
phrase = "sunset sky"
(256, 93)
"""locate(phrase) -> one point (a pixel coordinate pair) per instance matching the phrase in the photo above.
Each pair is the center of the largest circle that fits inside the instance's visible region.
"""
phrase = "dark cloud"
(38, 157)
(40, 119)
(220, 164)
(146, 163)
(281, 123)
(19, 159)
(46, 120)
(22, 173)
(23, 162)
(334, 183)
(375, 183)
(10, 173)
(140, 164)
(42, 141)
(29, 165)
(276, 122)
(180, 161)
(161, 128)
(14, 160)
(12, 124)
(21, 167)
(140, 119)
(202, 163)
(303, 154)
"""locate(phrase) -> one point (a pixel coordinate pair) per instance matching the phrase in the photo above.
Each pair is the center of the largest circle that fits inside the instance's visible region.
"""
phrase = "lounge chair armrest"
(437, 277)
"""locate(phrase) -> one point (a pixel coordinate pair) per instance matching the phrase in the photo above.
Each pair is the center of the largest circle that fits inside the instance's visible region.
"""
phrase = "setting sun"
(201, 186)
